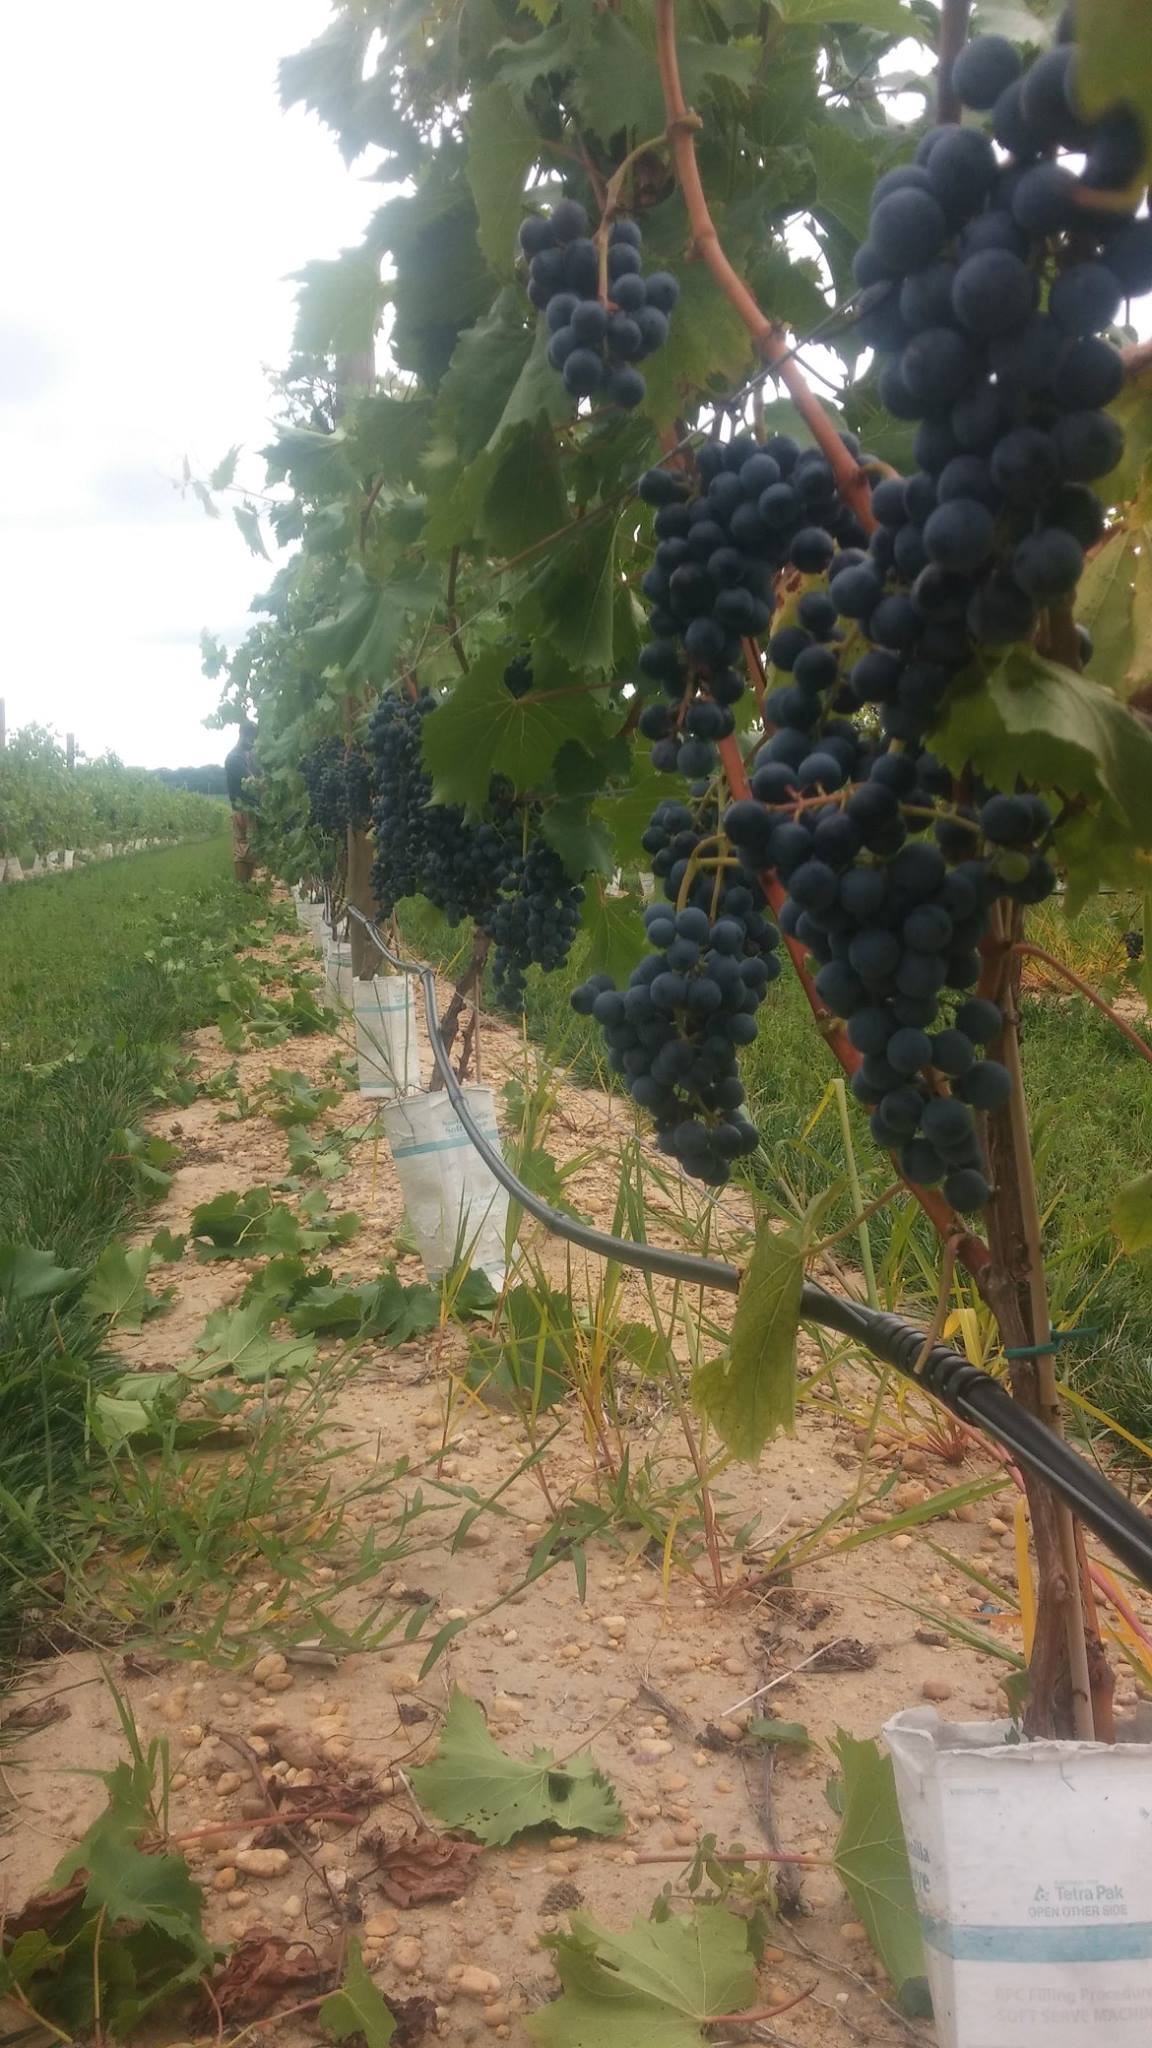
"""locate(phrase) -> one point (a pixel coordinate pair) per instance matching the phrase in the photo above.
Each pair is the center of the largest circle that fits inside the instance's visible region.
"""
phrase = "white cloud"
(158, 199)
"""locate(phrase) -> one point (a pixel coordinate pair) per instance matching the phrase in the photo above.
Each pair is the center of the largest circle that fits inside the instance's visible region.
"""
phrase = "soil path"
(649, 1669)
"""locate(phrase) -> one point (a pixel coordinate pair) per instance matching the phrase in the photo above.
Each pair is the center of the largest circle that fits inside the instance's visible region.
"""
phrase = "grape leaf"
(1114, 57)
(751, 1393)
(388, 436)
(656, 1986)
(338, 304)
(486, 364)
(872, 1863)
(780, 1731)
(483, 727)
(238, 1340)
(27, 1274)
(1132, 1215)
(118, 1287)
(472, 1784)
(615, 931)
(503, 144)
(581, 841)
(617, 88)
(1105, 602)
(225, 470)
(357, 2008)
(846, 170)
(893, 16)
(248, 520)
(569, 602)
(1031, 717)
(362, 636)
(158, 1890)
(708, 346)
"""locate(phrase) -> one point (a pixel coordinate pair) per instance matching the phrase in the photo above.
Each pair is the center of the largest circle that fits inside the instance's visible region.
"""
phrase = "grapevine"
(843, 633)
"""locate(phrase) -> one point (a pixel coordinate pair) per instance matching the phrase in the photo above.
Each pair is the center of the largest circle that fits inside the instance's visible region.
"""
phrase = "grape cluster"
(424, 848)
(758, 509)
(988, 285)
(358, 792)
(322, 772)
(675, 1032)
(596, 341)
(534, 922)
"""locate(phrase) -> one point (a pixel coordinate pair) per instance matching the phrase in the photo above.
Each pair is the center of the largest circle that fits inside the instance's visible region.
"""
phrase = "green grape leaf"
(362, 637)
(520, 64)
(27, 1274)
(118, 1286)
(615, 928)
(157, 1890)
(503, 145)
(538, 394)
(1114, 57)
(357, 2010)
(1133, 409)
(845, 172)
(225, 470)
(1033, 718)
(627, 809)
(472, 1784)
(168, 1245)
(787, 1732)
(388, 436)
(708, 346)
(584, 845)
(738, 62)
(893, 17)
(248, 520)
(569, 602)
(616, 87)
(485, 368)
(751, 1393)
(1132, 1215)
(1105, 603)
(338, 304)
(655, 1986)
(238, 1340)
(483, 729)
(872, 1864)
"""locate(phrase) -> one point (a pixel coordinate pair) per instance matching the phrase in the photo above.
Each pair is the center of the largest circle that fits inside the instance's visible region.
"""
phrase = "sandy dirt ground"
(651, 1671)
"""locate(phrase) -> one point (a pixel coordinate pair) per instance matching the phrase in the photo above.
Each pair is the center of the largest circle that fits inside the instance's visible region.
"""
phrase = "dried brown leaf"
(418, 1868)
(46, 1909)
(845, 1654)
(414, 2017)
(260, 1969)
(37, 1714)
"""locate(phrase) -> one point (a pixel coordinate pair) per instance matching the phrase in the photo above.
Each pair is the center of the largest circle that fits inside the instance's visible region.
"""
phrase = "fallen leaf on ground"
(259, 1970)
(415, 2018)
(416, 1869)
(473, 1784)
(37, 1714)
(46, 1909)
(845, 1654)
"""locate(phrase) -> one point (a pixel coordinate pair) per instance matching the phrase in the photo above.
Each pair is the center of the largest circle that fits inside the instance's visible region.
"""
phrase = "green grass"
(100, 974)
(1090, 1096)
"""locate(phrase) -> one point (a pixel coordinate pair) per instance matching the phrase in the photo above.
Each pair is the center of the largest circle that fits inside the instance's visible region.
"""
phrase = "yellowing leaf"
(751, 1394)
(1132, 1215)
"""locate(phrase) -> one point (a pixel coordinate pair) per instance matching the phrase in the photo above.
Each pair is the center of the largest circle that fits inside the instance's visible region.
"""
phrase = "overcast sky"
(156, 200)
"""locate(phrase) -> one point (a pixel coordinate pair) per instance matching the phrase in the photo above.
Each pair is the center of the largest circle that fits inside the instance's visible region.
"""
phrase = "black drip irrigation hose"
(974, 1397)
